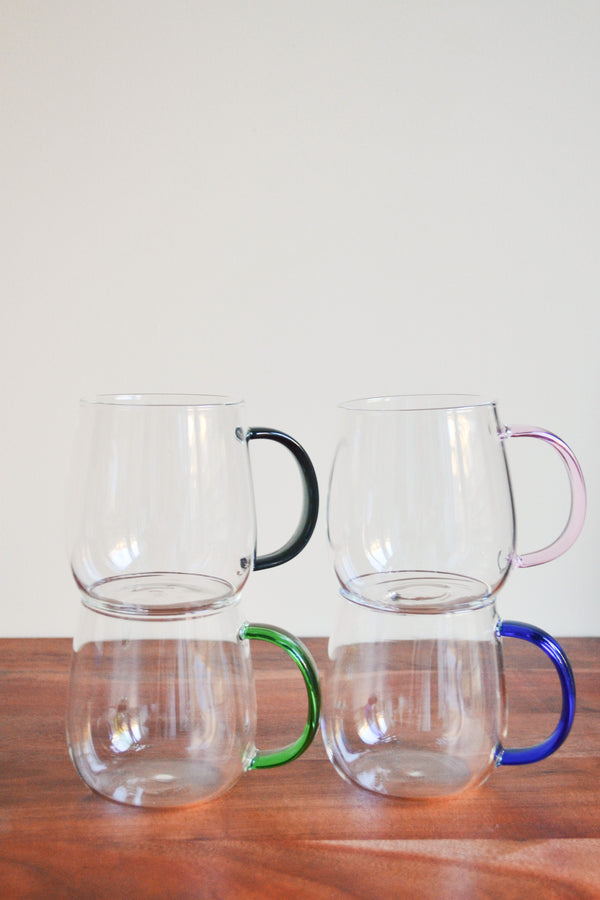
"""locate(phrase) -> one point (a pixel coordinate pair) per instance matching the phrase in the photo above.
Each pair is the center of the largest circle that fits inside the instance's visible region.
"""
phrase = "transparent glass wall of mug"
(420, 506)
(415, 703)
(162, 541)
(162, 511)
(161, 712)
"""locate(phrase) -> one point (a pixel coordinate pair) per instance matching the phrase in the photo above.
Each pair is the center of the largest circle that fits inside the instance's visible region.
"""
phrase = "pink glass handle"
(571, 531)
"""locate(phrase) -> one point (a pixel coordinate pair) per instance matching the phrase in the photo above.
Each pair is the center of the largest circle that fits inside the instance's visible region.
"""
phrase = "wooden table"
(299, 830)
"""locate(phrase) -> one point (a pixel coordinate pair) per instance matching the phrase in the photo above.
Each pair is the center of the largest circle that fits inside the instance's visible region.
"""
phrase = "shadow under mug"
(415, 705)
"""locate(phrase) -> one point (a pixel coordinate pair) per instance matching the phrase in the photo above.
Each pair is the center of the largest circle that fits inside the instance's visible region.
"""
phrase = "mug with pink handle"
(420, 506)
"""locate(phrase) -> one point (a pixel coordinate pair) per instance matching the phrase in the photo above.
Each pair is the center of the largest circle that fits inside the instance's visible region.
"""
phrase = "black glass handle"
(310, 508)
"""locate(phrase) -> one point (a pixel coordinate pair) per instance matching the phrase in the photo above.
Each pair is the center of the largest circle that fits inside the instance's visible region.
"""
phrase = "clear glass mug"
(420, 506)
(415, 703)
(162, 710)
(162, 538)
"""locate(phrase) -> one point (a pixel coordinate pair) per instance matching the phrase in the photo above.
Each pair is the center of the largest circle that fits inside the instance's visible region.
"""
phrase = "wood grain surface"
(299, 830)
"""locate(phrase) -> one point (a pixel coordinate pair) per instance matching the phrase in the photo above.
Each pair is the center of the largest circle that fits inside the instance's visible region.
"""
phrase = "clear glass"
(420, 507)
(162, 516)
(415, 703)
(162, 540)
(162, 712)
(162, 509)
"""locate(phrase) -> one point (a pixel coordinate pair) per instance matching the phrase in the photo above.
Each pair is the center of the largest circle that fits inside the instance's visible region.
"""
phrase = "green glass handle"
(303, 659)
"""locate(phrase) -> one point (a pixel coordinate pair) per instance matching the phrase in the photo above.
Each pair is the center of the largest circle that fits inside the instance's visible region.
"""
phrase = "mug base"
(413, 774)
(150, 784)
(418, 592)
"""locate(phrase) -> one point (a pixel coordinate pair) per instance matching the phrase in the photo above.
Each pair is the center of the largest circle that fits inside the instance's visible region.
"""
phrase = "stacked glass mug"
(422, 528)
(162, 708)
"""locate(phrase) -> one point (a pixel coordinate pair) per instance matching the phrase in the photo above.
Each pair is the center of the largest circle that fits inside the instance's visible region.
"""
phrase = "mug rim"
(415, 403)
(196, 401)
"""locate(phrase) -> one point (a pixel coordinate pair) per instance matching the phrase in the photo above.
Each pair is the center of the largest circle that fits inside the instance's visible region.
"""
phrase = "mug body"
(161, 712)
(162, 511)
(415, 704)
(420, 505)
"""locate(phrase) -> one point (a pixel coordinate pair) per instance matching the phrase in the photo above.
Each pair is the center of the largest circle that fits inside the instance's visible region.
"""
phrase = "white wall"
(299, 202)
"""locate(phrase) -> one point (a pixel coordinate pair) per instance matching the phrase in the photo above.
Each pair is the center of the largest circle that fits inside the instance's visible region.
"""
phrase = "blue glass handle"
(520, 756)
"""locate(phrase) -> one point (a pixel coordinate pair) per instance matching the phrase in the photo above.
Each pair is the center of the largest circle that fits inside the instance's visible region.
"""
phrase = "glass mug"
(415, 705)
(420, 507)
(162, 709)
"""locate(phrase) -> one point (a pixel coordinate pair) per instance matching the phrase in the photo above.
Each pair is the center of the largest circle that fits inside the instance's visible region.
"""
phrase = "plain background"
(299, 202)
